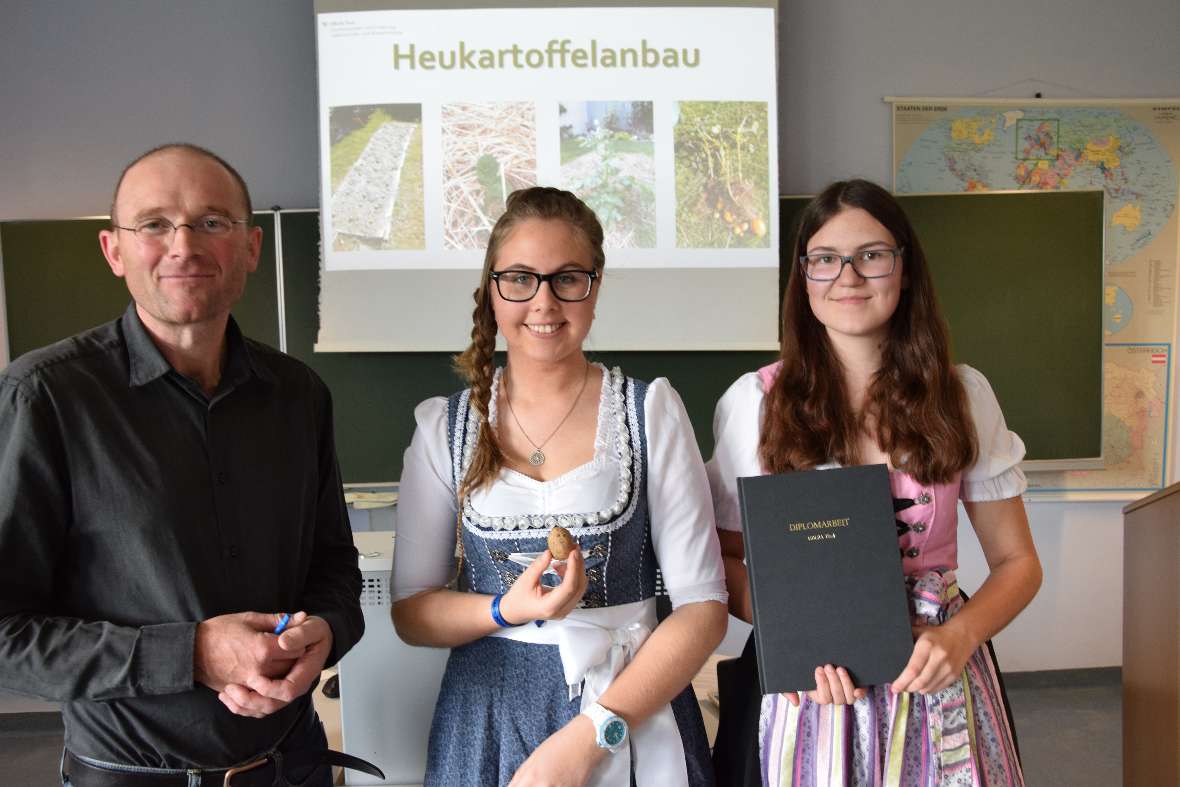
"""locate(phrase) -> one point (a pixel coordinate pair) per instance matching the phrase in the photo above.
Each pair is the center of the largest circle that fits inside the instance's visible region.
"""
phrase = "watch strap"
(601, 716)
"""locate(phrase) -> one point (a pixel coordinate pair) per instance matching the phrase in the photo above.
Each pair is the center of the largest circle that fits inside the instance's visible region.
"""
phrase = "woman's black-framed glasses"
(868, 264)
(570, 286)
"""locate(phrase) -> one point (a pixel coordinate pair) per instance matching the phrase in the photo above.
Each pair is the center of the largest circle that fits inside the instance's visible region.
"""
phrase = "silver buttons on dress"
(924, 498)
(912, 552)
(918, 528)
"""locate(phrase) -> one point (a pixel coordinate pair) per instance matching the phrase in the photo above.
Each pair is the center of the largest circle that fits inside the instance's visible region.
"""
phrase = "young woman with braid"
(557, 676)
(865, 377)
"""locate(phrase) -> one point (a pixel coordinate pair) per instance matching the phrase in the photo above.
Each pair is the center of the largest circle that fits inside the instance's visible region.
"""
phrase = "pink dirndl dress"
(957, 736)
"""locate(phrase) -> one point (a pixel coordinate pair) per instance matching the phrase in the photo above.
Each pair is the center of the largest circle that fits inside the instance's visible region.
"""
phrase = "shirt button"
(912, 552)
(918, 528)
(923, 498)
(232, 551)
(222, 479)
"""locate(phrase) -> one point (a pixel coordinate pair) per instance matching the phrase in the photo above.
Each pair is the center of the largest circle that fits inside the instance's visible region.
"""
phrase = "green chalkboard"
(56, 283)
(1019, 278)
(1033, 329)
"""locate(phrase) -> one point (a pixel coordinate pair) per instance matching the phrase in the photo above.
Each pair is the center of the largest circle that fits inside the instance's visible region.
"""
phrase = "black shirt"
(133, 506)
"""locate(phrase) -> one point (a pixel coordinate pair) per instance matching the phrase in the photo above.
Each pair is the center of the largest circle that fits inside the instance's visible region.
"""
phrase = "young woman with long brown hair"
(864, 377)
(557, 680)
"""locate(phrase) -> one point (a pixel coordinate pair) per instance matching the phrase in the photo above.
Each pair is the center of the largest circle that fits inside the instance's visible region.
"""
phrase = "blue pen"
(283, 621)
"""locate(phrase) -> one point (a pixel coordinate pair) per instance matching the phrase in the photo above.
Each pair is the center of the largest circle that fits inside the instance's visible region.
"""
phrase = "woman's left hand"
(833, 686)
(940, 652)
(565, 759)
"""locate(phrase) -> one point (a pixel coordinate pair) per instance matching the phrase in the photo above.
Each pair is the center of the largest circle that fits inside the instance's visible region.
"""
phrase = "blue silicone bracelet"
(496, 616)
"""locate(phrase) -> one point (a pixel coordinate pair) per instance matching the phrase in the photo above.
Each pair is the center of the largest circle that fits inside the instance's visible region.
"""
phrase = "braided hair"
(476, 364)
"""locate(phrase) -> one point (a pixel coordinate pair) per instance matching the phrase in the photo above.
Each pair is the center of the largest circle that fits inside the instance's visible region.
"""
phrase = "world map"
(1130, 154)
(1133, 423)
(979, 148)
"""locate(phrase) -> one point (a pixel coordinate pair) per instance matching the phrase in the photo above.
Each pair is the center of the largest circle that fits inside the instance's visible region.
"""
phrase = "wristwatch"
(610, 728)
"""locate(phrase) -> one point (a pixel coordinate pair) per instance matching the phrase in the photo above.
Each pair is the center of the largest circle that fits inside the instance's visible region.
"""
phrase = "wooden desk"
(1151, 639)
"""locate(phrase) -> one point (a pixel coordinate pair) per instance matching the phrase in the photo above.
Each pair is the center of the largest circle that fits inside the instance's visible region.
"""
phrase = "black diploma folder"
(825, 576)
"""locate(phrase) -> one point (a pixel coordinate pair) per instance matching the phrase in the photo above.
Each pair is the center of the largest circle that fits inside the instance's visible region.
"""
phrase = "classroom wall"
(88, 85)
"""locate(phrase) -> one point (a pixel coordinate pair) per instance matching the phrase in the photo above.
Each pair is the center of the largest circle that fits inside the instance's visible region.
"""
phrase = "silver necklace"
(537, 457)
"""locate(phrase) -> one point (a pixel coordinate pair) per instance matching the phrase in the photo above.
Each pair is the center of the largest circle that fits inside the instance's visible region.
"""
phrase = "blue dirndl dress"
(502, 696)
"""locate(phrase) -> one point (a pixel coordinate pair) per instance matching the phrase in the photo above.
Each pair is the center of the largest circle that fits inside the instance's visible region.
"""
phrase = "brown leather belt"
(269, 770)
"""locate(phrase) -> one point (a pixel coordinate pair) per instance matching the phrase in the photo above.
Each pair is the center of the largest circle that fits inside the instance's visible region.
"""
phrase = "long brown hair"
(477, 363)
(915, 402)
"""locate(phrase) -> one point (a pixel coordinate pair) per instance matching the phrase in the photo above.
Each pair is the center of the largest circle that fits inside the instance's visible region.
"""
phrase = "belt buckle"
(232, 772)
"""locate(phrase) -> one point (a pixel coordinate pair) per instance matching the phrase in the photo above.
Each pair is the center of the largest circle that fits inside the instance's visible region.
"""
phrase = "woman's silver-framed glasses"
(570, 285)
(868, 264)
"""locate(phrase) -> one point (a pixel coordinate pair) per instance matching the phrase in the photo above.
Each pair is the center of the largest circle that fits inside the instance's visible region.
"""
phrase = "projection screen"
(661, 117)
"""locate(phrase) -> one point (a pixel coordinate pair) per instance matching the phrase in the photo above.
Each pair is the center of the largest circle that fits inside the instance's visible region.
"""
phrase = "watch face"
(614, 733)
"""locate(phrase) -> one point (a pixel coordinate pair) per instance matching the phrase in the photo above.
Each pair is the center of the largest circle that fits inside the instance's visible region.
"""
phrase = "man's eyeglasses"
(569, 285)
(868, 264)
(160, 230)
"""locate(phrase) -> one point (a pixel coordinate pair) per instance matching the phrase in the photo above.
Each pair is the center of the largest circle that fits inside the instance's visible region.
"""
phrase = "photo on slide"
(722, 175)
(376, 171)
(489, 150)
(608, 159)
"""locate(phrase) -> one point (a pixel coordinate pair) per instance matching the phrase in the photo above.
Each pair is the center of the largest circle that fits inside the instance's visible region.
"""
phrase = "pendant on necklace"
(537, 458)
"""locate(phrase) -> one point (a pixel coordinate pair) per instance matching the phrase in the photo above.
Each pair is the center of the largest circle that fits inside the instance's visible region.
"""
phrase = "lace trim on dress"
(620, 407)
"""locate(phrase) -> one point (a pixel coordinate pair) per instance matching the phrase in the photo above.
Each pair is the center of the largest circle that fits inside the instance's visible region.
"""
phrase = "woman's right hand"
(833, 686)
(529, 600)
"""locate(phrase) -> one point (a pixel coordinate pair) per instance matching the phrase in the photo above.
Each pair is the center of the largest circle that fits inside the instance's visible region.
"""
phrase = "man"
(167, 489)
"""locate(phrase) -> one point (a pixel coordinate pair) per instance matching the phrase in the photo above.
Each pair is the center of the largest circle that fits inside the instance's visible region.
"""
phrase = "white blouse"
(737, 425)
(679, 504)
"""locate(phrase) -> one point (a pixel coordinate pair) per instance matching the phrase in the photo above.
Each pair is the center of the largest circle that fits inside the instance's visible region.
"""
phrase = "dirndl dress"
(959, 736)
(504, 694)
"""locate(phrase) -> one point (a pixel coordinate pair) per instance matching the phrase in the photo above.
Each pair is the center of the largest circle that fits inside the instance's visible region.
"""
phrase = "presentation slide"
(430, 117)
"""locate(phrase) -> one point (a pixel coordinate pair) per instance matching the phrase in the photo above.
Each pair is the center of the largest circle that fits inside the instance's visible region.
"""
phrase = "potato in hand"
(561, 543)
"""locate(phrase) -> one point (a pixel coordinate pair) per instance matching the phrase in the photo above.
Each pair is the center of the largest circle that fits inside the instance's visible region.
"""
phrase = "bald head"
(190, 149)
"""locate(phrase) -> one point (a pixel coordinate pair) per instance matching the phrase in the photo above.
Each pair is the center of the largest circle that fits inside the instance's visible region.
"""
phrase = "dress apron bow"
(595, 645)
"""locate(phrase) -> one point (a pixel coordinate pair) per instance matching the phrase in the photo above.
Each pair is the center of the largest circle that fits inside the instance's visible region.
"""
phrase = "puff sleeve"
(996, 474)
(737, 425)
(683, 533)
(424, 547)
